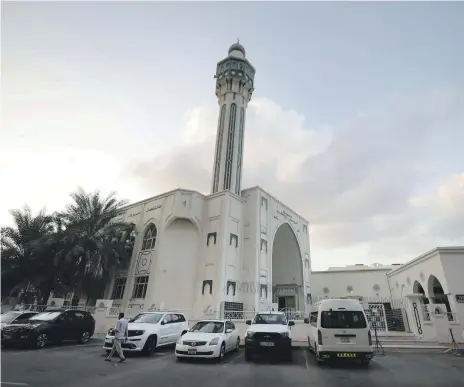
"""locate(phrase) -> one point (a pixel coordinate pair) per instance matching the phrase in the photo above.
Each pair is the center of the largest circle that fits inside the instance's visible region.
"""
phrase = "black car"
(51, 326)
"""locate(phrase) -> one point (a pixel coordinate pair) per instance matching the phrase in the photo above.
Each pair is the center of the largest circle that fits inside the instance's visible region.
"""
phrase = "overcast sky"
(357, 120)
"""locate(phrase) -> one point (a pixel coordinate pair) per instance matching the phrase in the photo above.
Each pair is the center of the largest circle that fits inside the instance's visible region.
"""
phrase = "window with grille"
(149, 239)
(140, 287)
(119, 287)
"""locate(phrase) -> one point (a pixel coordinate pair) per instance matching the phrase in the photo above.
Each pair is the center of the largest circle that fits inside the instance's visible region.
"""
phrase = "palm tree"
(93, 243)
(22, 264)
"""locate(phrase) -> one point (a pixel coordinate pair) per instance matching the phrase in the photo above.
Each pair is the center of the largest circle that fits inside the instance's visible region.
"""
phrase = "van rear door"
(344, 329)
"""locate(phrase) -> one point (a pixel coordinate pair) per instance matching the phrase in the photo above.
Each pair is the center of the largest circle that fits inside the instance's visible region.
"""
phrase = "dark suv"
(51, 326)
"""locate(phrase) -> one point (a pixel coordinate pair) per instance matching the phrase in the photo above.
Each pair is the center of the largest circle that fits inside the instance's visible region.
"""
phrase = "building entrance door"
(287, 302)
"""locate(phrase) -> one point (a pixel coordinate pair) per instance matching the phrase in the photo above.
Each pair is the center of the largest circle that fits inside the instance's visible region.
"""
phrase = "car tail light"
(319, 337)
(370, 337)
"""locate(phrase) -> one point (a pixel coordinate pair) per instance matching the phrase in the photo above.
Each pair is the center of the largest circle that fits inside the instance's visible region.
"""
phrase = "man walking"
(120, 336)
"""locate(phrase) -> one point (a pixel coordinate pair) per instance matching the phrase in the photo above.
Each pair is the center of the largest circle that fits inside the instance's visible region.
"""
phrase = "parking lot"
(77, 366)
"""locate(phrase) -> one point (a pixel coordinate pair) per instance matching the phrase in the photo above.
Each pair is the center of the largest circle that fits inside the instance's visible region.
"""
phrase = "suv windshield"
(45, 316)
(343, 320)
(149, 318)
(269, 318)
(8, 317)
(208, 327)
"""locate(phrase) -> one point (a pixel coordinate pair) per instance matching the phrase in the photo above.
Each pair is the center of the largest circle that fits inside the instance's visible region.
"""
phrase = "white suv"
(269, 332)
(150, 330)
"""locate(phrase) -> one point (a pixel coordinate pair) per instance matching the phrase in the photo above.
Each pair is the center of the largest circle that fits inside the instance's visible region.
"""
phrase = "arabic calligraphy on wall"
(154, 208)
(287, 216)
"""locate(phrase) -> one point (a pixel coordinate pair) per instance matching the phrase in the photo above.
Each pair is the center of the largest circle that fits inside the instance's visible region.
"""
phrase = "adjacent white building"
(232, 250)
(424, 296)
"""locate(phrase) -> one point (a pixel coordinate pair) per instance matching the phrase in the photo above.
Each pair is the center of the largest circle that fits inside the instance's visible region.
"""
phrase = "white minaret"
(234, 87)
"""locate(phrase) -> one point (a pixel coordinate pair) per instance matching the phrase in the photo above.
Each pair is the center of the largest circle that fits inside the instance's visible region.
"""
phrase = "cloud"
(391, 178)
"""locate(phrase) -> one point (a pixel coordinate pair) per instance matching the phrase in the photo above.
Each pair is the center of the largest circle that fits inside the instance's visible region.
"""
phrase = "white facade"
(233, 250)
(368, 281)
(426, 293)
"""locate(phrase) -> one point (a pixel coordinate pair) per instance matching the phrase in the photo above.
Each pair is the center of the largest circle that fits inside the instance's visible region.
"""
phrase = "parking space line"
(305, 355)
(14, 384)
(382, 365)
(232, 361)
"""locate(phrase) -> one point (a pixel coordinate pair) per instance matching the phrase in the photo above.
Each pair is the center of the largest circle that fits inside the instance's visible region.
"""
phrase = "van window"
(343, 319)
(313, 319)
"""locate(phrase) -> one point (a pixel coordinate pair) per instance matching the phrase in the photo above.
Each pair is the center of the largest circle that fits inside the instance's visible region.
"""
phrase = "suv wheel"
(84, 338)
(150, 346)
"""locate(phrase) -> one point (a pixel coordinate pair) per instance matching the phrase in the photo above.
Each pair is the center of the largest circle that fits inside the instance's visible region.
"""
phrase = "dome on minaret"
(237, 50)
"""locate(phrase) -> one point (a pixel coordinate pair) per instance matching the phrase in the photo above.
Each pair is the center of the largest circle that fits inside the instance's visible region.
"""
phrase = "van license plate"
(346, 355)
(192, 351)
(345, 339)
(266, 344)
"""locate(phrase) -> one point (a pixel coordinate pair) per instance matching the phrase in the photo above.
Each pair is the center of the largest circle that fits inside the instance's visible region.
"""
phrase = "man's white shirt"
(121, 329)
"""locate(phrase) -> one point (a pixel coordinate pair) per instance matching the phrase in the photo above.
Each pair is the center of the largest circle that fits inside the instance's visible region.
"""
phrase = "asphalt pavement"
(84, 365)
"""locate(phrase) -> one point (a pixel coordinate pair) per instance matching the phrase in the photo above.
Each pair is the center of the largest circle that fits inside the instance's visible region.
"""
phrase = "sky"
(356, 121)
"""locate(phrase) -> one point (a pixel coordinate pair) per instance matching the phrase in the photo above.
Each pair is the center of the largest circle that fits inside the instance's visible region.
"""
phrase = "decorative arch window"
(149, 239)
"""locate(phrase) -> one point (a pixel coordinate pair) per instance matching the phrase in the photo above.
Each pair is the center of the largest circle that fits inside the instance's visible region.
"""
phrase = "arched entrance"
(418, 289)
(174, 281)
(437, 294)
(287, 271)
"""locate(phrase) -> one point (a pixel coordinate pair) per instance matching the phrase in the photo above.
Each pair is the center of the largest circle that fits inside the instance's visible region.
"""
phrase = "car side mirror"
(291, 323)
(248, 322)
(163, 322)
(306, 320)
(229, 330)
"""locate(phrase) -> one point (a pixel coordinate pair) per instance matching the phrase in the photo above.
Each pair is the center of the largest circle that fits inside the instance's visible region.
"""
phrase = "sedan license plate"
(346, 355)
(192, 351)
(266, 344)
(345, 339)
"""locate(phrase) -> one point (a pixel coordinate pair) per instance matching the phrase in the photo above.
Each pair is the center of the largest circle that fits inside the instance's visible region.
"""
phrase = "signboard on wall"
(460, 298)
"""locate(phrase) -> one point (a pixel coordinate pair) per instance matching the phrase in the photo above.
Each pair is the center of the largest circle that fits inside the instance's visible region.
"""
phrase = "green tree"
(94, 244)
(22, 263)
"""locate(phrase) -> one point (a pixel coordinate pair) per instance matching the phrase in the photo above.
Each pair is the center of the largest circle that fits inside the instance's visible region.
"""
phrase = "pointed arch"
(149, 237)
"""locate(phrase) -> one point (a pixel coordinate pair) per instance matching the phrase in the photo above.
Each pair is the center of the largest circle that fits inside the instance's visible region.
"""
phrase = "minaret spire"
(234, 88)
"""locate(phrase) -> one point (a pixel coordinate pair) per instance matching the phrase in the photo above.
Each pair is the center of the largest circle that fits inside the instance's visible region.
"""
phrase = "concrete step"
(414, 348)
(419, 343)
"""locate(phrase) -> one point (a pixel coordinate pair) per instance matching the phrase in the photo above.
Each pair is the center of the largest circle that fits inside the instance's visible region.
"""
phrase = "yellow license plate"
(346, 355)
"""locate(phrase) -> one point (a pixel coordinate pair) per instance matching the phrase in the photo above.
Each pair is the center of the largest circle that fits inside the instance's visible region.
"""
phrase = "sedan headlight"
(215, 341)
(111, 332)
(137, 333)
(250, 334)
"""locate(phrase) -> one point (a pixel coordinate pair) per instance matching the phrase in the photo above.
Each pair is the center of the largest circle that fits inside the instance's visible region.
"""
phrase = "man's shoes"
(107, 359)
(122, 360)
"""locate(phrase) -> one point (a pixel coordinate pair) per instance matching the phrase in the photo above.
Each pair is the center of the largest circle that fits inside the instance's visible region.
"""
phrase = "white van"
(339, 328)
